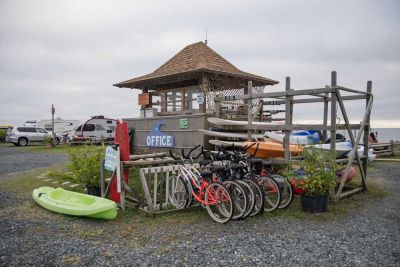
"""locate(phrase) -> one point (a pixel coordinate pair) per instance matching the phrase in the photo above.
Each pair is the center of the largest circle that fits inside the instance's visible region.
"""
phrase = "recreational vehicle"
(97, 128)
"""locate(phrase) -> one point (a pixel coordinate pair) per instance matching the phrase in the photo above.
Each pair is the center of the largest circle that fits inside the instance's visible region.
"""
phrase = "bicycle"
(190, 183)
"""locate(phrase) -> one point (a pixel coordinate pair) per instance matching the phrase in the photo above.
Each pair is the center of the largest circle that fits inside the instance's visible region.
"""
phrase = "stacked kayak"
(73, 203)
(271, 149)
(299, 137)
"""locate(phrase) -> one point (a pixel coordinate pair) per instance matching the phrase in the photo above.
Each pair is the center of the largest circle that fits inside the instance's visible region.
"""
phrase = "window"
(79, 128)
(109, 122)
(40, 130)
(89, 128)
(111, 128)
(26, 130)
(100, 127)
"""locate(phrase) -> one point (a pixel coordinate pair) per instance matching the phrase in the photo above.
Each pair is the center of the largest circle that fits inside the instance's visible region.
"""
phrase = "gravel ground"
(369, 237)
(14, 159)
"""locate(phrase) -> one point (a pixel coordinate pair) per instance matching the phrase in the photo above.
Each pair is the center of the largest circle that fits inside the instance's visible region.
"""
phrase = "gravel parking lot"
(370, 236)
(16, 159)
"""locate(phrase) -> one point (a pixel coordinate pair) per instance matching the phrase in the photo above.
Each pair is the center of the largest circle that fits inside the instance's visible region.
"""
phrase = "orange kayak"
(272, 149)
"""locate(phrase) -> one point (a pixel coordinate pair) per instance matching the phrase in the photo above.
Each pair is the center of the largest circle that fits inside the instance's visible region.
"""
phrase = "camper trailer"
(60, 126)
(97, 128)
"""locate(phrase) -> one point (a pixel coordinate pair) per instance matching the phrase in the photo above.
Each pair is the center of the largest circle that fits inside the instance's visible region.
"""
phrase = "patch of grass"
(71, 260)
(64, 148)
(336, 210)
(87, 233)
(25, 182)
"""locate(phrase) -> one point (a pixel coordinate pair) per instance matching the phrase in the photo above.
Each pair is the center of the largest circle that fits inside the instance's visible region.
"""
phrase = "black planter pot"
(93, 190)
(314, 203)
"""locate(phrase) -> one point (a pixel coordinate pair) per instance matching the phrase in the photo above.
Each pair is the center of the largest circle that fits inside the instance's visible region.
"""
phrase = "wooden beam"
(352, 90)
(365, 118)
(355, 148)
(277, 94)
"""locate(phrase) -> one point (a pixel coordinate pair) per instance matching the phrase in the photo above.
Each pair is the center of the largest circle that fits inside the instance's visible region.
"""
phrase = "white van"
(97, 128)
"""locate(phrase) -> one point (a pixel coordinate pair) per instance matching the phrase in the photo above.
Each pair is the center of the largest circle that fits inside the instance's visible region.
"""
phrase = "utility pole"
(53, 110)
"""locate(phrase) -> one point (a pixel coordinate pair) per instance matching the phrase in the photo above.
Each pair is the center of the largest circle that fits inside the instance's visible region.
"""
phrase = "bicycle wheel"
(219, 203)
(286, 190)
(272, 194)
(179, 192)
(249, 193)
(258, 208)
(238, 197)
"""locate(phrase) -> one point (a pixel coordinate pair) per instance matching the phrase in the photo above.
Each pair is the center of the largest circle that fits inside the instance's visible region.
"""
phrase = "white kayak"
(226, 143)
(297, 139)
(218, 121)
(360, 150)
(229, 134)
(342, 148)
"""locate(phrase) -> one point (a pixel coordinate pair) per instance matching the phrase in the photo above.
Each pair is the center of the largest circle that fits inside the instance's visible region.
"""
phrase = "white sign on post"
(110, 161)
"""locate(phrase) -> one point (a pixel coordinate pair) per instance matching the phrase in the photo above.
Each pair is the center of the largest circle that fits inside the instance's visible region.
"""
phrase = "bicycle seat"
(254, 161)
(218, 168)
(237, 166)
(267, 163)
(206, 174)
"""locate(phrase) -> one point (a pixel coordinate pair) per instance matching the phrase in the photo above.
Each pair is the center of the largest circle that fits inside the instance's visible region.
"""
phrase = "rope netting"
(222, 86)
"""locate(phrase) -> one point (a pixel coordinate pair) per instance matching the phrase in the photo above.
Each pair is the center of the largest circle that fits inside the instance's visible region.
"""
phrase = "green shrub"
(84, 166)
(3, 134)
(319, 169)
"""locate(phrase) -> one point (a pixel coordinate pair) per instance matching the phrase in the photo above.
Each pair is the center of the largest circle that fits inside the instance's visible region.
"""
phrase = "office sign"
(157, 138)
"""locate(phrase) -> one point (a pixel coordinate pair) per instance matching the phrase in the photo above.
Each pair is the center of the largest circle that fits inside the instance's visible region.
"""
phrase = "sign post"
(53, 110)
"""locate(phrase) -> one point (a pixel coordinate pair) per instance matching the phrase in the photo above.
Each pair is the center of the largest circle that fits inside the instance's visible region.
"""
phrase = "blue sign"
(156, 138)
(110, 161)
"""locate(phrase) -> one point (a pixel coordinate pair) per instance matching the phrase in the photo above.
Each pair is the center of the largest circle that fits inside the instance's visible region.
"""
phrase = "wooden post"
(366, 133)
(249, 110)
(183, 99)
(333, 113)
(102, 181)
(189, 104)
(203, 82)
(288, 120)
(173, 97)
(325, 119)
(122, 187)
(53, 110)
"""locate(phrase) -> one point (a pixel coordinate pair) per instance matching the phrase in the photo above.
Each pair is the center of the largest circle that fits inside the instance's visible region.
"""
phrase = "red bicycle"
(189, 183)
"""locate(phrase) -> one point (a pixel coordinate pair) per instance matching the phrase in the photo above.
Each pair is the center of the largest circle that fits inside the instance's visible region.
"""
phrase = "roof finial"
(206, 37)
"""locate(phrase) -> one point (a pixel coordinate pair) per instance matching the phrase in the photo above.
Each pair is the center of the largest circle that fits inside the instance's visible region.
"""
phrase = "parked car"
(22, 136)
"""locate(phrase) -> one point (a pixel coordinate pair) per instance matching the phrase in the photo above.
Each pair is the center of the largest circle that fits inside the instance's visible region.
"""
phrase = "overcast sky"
(71, 52)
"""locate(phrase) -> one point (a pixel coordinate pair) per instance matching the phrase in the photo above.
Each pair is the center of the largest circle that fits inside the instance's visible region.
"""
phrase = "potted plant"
(318, 179)
(83, 168)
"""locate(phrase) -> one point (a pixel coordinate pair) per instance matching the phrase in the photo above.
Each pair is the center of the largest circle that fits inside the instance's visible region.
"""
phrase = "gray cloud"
(71, 52)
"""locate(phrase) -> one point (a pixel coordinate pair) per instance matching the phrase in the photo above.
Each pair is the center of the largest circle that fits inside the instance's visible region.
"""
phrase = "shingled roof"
(190, 63)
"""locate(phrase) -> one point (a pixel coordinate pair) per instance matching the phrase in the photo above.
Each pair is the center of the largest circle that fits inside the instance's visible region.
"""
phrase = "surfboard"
(229, 134)
(218, 121)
